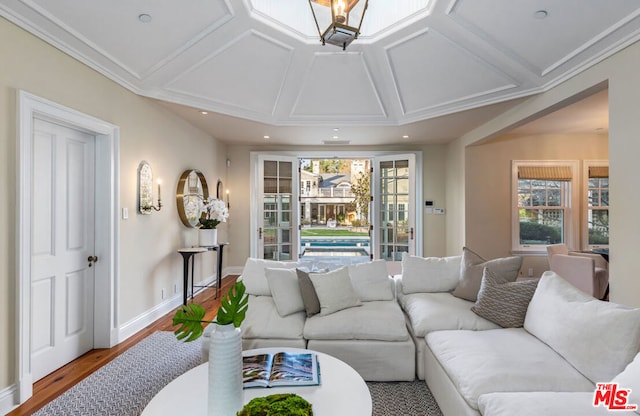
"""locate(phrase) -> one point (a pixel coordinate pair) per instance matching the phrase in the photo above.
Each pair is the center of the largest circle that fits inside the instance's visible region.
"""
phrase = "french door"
(394, 206)
(278, 209)
(395, 225)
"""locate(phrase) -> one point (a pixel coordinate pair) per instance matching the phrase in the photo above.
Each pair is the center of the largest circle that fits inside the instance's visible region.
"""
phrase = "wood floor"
(56, 383)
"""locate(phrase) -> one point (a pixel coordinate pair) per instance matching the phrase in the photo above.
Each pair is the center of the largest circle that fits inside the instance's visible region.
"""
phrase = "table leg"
(219, 276)
(185, 276)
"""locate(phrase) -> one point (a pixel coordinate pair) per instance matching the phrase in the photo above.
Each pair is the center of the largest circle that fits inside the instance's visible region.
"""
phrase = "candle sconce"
(219, 189)
(145, 190)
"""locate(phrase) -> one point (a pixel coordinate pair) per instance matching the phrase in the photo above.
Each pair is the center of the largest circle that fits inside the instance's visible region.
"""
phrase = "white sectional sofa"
(360, 321)
(485, 343)
(569, 342)
(427, 290)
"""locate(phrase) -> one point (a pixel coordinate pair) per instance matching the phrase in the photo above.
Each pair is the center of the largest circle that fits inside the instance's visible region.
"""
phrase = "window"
(596, 224)
(543, 202)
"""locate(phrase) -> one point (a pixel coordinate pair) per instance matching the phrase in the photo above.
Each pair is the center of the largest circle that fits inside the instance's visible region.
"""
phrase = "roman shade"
(598, 171)
(550, 173)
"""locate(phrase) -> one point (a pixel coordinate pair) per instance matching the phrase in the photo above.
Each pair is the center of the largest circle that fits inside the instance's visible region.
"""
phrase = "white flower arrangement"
(215, 211)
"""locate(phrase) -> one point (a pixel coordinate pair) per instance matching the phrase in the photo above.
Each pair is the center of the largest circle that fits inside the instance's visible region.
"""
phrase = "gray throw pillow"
(471, 270)
(502, 302)
(308, 292)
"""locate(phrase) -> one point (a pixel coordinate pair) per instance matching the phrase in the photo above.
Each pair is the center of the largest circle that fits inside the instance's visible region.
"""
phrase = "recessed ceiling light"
(541, 14)
(267, 137)
(144, 18)
(334, 137)
(405, 137)
(204, 112)
(336, 129)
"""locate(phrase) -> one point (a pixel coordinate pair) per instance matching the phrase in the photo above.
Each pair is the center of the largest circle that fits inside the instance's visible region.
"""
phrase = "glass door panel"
(395, 217)
(276, 230)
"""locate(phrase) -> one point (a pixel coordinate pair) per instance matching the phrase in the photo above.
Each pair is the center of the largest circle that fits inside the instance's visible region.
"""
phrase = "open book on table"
(280, 369)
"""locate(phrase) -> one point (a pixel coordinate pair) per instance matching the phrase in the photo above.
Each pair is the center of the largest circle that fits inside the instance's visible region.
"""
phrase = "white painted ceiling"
(429, 69)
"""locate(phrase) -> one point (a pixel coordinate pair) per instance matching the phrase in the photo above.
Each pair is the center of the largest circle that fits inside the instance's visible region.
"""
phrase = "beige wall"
(488, 185)
(619, 71)
(148, 243)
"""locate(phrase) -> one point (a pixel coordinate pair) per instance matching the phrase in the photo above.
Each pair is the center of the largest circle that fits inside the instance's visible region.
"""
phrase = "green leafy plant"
(277, 404)
(233, 309)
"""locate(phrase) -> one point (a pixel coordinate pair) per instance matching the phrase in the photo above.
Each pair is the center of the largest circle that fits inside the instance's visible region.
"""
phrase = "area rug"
(124, 386)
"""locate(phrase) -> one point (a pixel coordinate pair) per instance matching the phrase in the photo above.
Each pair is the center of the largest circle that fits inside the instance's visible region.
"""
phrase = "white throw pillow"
(371, 281)
(598, 338)
(630, 379)
(285, 290)
(254, 277)
(335, 291)
(429, 274)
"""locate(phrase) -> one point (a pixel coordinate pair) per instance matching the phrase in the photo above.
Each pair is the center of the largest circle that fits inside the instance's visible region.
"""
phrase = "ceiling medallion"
(340, 14)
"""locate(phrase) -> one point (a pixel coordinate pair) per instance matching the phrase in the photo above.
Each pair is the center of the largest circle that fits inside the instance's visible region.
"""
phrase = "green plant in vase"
(233, 309)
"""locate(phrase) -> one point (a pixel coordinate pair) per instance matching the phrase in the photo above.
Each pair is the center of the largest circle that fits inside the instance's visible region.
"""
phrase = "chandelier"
(341, 17)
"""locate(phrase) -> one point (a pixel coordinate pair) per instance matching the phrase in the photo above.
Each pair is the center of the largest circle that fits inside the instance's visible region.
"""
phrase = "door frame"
(107, 185)
(333, 154)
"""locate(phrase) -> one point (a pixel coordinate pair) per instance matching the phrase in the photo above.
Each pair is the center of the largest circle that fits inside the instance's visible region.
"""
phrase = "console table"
(189, 253)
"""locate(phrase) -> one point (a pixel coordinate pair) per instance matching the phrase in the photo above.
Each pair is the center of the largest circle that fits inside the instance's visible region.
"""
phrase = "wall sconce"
(145, 190)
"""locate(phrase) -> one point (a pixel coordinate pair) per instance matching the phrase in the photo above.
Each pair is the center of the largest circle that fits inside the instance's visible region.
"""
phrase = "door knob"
(92, 259)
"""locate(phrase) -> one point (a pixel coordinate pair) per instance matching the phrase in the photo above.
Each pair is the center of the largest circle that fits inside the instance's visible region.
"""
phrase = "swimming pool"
(334, 241)
(334, 246)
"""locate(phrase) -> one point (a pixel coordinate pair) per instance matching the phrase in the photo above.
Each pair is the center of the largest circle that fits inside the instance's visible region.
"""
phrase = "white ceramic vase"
(207, 237)
(225, 371)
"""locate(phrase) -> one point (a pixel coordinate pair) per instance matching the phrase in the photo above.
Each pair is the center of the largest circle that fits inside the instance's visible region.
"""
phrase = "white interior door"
(62, 280)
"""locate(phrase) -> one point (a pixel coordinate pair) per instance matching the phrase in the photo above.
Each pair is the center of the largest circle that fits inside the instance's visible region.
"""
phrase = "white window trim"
(586, 164)
(573, 217)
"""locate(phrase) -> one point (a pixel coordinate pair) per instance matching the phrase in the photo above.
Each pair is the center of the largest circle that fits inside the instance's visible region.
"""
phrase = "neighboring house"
(328, 196)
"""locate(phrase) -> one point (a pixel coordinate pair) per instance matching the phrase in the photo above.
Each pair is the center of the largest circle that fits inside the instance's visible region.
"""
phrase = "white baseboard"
(145, 319)
(8, 399)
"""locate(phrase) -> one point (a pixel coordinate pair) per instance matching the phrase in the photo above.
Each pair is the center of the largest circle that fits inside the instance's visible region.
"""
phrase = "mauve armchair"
(588, 272)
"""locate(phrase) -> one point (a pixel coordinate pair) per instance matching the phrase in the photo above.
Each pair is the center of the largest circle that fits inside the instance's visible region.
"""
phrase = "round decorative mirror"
(192, 189)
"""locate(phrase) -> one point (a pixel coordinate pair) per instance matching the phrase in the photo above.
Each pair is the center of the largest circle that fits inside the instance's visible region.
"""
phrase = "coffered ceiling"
(428, 69)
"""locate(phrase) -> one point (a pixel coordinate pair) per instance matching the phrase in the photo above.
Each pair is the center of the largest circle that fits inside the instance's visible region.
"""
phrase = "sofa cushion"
(598, 338)
(471, 269)
(264, 321)
(502, 302)
(429, 312)
(429, 274)
(285, 290)
(630, 379)
(542, 403)
(376, 320)
(371, 281)
(254, 277)
(334, 290)
(500, 360)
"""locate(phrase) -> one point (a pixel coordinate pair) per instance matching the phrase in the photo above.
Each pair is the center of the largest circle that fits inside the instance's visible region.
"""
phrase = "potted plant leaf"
(225, 347)
(233, 309)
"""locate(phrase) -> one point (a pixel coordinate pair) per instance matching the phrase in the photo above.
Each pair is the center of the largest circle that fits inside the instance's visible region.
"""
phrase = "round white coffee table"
(342, 391)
